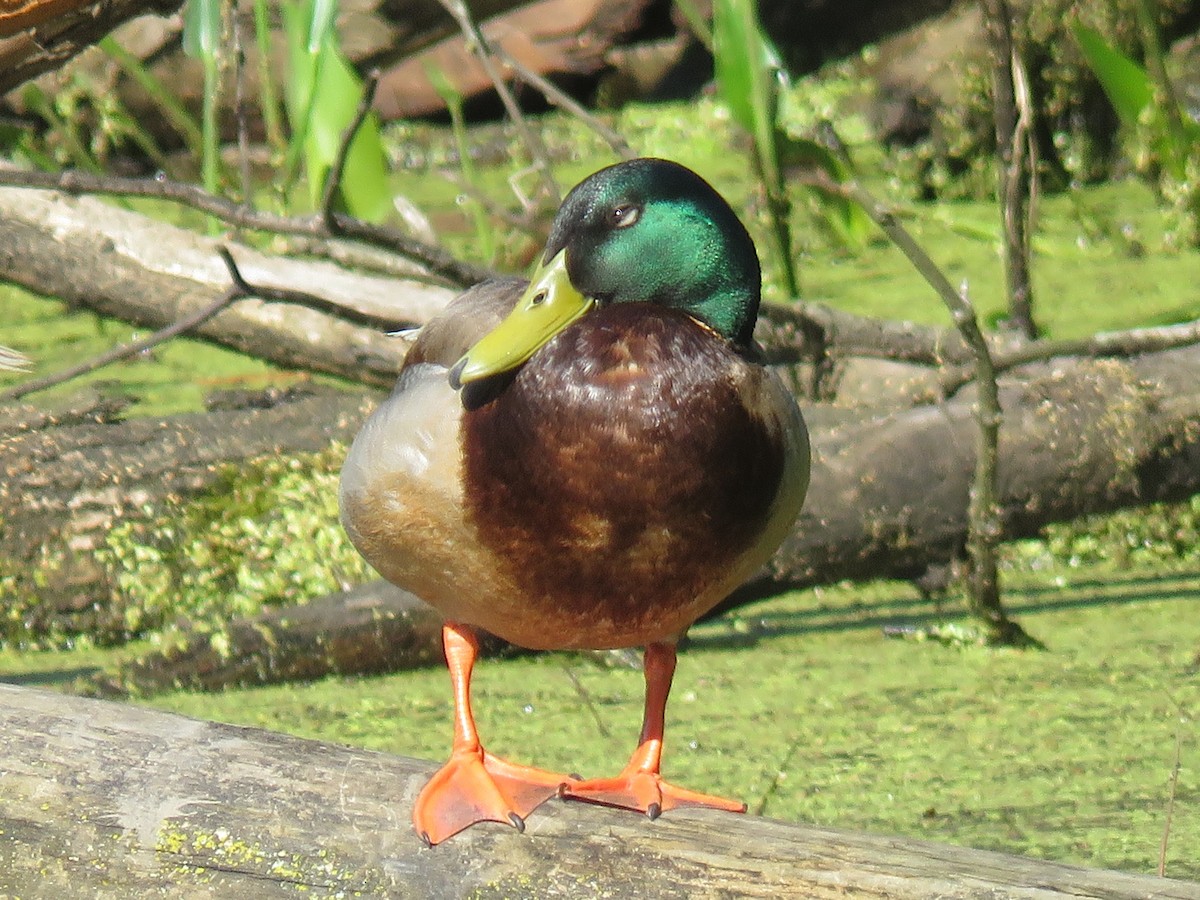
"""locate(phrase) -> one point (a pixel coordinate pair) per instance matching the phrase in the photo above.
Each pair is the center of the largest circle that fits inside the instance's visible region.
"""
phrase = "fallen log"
(889, 493)
(100, 799)
(371, 629)
(888, 497)
(70, 472)
(39, 36)
(152, 274)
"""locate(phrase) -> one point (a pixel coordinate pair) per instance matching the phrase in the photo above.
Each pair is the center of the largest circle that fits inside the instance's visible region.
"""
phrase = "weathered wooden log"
(889, 493)
(888, 497)
(151, 273)
(370, 629)
(39, 36)
(374, 31)
(101, 799)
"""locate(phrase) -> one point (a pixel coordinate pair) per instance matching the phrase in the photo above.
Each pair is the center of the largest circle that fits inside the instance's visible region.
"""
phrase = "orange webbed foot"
(474, 786)
(640, 786)
(644, 792)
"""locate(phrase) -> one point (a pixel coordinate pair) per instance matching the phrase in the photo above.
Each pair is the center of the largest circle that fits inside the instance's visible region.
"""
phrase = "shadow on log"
(371, 629)
(101, 799)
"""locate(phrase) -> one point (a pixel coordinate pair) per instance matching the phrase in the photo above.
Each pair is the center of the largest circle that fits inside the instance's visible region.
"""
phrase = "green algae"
(205, 855)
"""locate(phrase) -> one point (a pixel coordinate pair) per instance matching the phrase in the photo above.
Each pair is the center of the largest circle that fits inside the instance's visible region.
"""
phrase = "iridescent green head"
(643, 231)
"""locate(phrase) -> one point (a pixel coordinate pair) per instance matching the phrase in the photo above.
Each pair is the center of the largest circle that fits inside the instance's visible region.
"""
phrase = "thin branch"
(333, 179)
(567, 103)
(481, 46)
(436, 259)
(1107, 343)
(887, 220)
(239, 289)
(848, 334)
(1174, 783)
(1016, 160)
(525, 221)
(236, 291)
(984, 529)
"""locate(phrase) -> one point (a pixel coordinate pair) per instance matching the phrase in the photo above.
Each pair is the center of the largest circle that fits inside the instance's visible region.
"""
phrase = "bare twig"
(1110, 343)
(984, 530)
(567, 103)
(1174, 783)
(236, 291)
(437, 260)
(1016, 162)
(333, 179)
(887, 220)
(481, 46)
(585, 698)
(239, 289)
(525, 221)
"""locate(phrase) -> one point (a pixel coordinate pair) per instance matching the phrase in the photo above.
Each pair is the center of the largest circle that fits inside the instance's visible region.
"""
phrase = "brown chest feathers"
(625, 468)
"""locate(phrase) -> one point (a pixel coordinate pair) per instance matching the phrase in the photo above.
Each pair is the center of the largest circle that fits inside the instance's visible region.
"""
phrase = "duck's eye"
(625, 215)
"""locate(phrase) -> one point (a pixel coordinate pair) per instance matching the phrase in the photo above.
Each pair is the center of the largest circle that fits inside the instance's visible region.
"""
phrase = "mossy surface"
(264, 534)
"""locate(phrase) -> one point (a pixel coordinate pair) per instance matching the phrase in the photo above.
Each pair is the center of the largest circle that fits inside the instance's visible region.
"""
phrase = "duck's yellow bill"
(549, 305)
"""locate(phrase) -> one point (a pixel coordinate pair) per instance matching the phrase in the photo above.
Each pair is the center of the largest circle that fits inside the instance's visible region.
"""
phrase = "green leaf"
(202, 29)
(322, 94)
(848, 220)
(749, 76)
(364, 191)
(1126, 84)
(321, 24)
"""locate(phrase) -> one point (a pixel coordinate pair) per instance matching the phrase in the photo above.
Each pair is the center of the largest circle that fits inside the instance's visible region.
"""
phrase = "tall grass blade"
(484, 237)
(321, 95)
(1126, 84)
(202, 41)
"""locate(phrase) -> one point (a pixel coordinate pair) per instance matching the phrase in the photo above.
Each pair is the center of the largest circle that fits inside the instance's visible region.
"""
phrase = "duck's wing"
(466, 319)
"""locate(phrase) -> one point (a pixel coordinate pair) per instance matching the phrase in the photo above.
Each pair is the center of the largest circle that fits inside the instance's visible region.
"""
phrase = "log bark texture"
(145, 271)
(889, 492)
(371, 629)
(37, 37)
(103, 800)
(151, 273)
(41, 37)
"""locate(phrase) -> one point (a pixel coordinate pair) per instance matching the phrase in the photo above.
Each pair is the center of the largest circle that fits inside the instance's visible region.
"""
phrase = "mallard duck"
(592, 459)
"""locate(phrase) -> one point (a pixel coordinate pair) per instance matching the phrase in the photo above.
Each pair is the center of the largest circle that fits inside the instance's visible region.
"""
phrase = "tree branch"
(436, 260)
(984, 531)
(333, 179)
(478, 42)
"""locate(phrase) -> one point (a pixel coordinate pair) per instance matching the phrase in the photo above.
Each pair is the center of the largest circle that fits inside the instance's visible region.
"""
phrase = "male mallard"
(594, 460)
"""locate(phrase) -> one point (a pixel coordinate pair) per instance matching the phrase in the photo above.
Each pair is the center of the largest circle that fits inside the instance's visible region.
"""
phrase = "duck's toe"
(475, 786)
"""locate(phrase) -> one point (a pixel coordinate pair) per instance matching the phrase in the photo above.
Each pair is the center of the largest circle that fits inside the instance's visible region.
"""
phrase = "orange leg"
(640, 786)
(474, 786)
